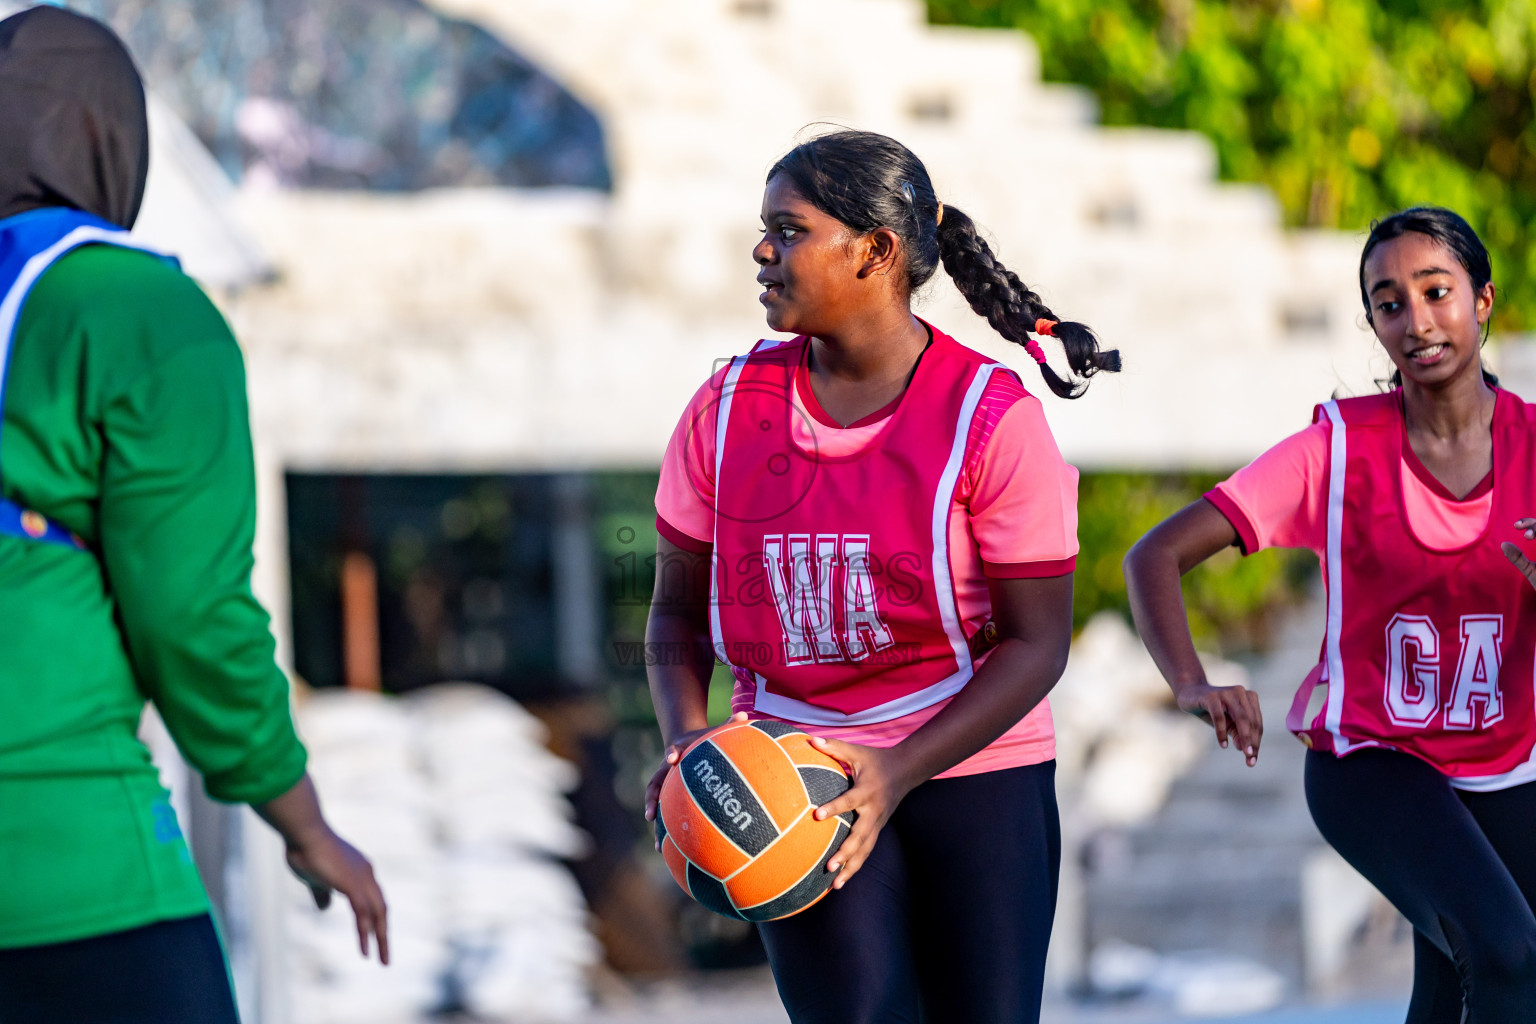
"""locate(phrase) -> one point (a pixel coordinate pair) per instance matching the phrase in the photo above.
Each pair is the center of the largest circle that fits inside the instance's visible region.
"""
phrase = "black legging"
(1461, 867)
(167, 973)
(947, 921)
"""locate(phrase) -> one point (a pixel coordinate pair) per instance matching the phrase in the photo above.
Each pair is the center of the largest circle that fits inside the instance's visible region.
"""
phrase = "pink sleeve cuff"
(1029, 570)
(1247, 536)
(681, 539)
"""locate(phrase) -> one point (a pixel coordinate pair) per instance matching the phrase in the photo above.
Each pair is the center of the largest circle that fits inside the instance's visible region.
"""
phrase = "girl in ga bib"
(1417, 501)
(877, 534)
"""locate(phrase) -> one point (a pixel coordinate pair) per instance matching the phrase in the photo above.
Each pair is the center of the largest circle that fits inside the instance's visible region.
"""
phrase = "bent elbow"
(1058, 667)
(1135, 559)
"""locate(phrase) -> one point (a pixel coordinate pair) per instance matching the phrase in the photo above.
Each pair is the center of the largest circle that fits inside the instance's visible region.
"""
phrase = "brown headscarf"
(73, 129)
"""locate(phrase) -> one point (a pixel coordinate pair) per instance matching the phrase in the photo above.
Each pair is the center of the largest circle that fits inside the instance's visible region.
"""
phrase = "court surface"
(747, 997)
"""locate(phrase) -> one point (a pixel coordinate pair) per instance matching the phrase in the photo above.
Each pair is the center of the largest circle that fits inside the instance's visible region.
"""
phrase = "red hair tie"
(1033, 348)
(1043, 327)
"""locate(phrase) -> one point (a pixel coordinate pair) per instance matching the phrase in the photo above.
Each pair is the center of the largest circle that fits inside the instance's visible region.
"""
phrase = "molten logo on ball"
(718, 788)
(736, 826)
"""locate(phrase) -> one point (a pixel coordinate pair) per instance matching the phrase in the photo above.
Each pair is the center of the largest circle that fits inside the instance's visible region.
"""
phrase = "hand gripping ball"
(735, 823)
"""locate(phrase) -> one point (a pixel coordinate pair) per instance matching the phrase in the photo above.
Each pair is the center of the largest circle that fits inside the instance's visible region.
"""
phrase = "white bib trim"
(793, 710)
(10, 306)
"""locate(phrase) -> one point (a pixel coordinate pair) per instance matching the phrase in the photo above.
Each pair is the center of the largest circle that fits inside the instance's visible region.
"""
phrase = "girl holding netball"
(1420, 769)
(878, 534)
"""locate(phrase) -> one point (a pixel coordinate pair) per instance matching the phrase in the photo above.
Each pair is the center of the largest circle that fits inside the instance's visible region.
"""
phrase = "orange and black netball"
(735, 820)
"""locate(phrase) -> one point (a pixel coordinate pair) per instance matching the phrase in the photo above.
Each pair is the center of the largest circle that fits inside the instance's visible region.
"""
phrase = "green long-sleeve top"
(125, 420)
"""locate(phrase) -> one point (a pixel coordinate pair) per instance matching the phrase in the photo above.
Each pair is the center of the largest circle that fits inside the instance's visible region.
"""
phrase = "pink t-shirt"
(1280, 499)
(1014, 515)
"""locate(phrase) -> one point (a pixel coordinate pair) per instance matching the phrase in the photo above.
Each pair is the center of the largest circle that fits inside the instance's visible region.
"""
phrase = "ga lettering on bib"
(1426, 651)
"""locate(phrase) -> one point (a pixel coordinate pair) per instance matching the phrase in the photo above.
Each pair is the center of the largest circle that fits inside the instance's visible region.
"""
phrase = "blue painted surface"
(1379, 1011)
(1365, 1013)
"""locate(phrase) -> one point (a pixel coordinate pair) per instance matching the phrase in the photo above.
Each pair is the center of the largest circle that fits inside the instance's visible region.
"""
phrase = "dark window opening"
(1117, 211)
(935, 107)
(754, 8)
(1304, 319)
(536, 584)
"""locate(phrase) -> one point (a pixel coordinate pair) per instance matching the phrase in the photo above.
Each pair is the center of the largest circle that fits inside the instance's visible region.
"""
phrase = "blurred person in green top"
(127, 515)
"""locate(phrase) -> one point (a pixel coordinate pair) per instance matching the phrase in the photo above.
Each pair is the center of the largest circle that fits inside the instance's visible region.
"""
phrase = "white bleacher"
(504, 329)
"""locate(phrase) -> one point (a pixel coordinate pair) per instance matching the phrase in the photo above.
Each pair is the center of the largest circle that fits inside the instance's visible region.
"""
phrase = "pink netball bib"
(831, 593)
(1429, 652)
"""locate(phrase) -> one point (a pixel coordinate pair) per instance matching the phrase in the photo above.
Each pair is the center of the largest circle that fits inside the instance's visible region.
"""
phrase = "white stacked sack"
(518, 923)
(454, 797)
(363, 756)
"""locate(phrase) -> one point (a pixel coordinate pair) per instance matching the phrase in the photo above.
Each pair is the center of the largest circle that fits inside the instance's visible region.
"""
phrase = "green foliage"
(1231, 600)
(1347, 109)
(624, 520)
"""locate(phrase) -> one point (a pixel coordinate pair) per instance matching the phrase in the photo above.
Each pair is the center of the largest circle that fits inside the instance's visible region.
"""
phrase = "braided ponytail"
(869, 181)
(1013, 310)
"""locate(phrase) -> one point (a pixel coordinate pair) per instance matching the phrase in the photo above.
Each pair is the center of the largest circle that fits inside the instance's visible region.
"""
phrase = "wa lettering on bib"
(825, 595)
(1426, 651)
(831, 588)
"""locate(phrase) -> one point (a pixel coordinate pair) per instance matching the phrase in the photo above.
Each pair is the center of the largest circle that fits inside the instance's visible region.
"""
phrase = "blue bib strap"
(30, 243)
(16, 521)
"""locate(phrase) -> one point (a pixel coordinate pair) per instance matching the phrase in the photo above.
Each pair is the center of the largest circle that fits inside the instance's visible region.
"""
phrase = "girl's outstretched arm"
(1153, 569)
